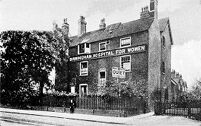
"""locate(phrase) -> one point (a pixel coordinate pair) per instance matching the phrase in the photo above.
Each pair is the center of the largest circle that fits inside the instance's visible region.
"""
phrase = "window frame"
(87, 68)
(121, 62)
(163, 68)
(99, 77)
(105, 46)
(124, 39)
(163, 41)
(84, 48)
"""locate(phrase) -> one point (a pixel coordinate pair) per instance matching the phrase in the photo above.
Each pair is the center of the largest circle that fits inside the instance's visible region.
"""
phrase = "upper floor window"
(84, 48)
(152, 6)
(163, 41)
(163, 67)
(125, 42)
(125, 63)
(84, 68)
(103, 46)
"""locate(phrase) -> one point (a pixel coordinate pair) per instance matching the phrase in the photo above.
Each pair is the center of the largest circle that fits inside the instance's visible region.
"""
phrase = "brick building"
(178, 86)
(141, 47)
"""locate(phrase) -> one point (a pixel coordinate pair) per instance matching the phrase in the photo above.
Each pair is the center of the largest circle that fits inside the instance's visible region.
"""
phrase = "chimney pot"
(102, 24)
(65, 27)
(82, 25)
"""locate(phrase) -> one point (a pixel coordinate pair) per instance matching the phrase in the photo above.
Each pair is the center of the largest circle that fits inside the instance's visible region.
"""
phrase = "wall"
(166, 57)
(154, 61)
(139, 64)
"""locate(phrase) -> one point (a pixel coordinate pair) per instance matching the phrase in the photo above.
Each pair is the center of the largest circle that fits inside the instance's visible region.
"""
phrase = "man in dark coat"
(72, 106)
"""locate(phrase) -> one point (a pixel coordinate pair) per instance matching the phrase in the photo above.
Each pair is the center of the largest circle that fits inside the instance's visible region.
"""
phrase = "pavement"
(139, 120)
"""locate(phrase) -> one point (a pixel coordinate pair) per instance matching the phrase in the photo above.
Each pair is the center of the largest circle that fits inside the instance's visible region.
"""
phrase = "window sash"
(84, 68)
(83, 48)
(125, 42)
(102, 46)
(126, 63)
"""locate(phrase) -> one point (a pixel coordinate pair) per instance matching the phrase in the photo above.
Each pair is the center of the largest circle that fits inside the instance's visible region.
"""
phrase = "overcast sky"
(185, 21)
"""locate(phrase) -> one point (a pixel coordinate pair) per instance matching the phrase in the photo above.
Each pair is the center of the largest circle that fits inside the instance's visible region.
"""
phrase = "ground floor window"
(83, 90)
(125, 63)
(102, 77)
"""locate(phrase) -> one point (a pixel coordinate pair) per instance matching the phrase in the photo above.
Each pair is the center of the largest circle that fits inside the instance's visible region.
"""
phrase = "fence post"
(189, 109)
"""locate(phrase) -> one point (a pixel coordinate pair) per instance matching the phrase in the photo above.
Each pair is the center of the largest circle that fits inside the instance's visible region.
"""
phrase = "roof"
(163, 24)
(117, 29)
(113, 30)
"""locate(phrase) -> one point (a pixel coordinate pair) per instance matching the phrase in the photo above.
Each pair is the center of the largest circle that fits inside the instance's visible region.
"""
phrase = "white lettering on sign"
(136, 49)
(109, 53)
(119, 52)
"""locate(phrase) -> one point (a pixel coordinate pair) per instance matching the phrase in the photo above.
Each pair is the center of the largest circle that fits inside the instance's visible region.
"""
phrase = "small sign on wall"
(118, 73)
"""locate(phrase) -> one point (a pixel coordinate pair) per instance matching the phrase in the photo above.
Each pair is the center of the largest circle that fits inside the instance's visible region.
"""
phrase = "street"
(10, 117)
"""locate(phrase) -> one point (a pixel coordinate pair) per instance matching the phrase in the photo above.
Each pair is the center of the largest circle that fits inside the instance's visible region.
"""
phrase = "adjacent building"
(178, 86)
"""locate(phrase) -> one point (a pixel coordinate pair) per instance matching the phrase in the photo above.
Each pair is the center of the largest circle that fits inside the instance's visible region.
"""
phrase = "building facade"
(178, 86)
(141, 49)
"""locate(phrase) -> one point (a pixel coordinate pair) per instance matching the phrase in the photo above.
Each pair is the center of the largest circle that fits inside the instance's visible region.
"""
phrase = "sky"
(184, 15)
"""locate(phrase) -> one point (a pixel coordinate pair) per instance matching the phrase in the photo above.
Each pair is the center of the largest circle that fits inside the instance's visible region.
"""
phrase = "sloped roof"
(162, 25)
(113, 30)
(118, 29)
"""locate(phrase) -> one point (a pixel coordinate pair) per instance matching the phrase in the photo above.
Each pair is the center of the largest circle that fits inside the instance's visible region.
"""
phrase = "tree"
(137, 88)
(61, 45)
(196, 90)
(26, 62)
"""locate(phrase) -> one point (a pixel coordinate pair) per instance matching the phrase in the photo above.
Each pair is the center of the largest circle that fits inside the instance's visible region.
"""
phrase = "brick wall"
(154, 60)
(166, 57)
(139, 63)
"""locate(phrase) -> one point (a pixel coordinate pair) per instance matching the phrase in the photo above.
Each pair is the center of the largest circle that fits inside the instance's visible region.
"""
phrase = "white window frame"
(80, 90)
(129, 37)
(99, 79)
(105, 46)
(121, 63)
(78, 51)
(150, 6)
(87, 68)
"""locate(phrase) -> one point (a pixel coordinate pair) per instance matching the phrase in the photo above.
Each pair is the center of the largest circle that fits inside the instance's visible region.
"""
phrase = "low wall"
(115, 113)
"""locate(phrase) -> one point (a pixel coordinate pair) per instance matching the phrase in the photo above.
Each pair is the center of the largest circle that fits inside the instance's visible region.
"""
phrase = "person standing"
(72, 106)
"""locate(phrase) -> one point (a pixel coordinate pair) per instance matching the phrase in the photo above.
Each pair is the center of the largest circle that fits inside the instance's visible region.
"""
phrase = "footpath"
(139, 120)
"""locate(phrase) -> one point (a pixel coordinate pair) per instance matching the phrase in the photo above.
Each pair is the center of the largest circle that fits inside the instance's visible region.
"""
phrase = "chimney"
(102, 24)
(145, 12)
(82, 25)
(65, 27)
(154, 8)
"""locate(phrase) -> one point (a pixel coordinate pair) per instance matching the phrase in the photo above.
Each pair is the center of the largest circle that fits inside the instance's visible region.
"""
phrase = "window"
(103, 46)
(83, 48)
(163, 41)
(83, 90)
(163, 67)
(151, 6)
(125, 63)
(84, 68)
(125, 42)
(102, 77)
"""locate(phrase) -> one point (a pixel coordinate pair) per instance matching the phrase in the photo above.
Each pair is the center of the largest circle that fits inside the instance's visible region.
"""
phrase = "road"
(18, 119)
(15, 117)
